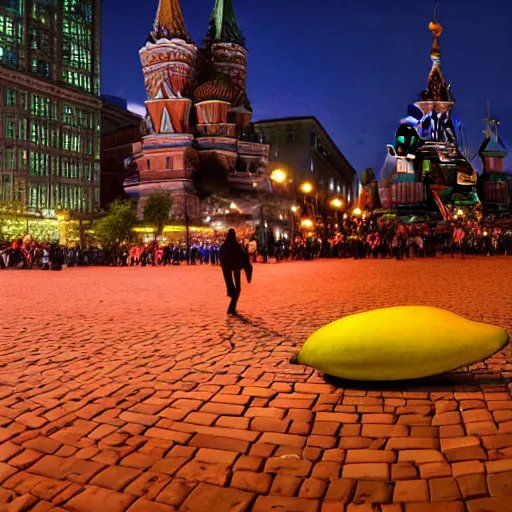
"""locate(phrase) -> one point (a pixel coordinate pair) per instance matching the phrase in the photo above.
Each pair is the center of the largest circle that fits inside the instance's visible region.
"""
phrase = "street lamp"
(294, 209)
(307, 223)
(306, 187)
(357, 212)
(337, 204)
(278, 176)
(233, 206)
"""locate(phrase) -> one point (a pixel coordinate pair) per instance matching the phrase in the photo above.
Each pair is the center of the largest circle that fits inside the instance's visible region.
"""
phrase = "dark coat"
(233, 257)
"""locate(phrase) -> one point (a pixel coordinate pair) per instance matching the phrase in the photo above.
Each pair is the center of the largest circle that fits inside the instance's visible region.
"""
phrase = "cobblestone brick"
(241, 407)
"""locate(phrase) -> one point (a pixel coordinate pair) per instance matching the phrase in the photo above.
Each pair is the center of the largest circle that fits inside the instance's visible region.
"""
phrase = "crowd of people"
(378, 237)
(358, 237)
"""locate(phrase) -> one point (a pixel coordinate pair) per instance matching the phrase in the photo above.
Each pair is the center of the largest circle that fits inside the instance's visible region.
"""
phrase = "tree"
(157, 211)
(116, 227)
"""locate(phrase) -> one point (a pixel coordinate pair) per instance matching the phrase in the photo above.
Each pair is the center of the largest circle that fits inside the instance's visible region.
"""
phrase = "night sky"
(355, 64)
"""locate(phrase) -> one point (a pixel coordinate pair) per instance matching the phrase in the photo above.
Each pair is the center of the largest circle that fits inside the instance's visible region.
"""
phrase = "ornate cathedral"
(197, 143)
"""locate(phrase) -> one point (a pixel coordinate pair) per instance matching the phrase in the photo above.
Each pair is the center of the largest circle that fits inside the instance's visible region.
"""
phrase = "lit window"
(22, 159)
(312, 165)
(10, 159)
(331, 184)
(32, 196)
(9, 127)
(10, 97)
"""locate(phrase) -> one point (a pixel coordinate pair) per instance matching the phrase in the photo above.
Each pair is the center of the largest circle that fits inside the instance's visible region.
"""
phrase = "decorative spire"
(223, 26)
(437, 30)
(493, 144)
(438, 89)
(169, 22)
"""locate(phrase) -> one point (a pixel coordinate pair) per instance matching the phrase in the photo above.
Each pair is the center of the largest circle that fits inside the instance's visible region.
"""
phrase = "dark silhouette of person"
(233, 260)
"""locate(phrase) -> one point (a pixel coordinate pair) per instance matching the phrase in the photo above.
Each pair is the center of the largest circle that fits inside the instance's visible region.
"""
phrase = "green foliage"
(157, 210)
(116, 227)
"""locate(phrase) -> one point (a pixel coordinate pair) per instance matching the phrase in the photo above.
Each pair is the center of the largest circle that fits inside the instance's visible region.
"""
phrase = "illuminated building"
(49, 105)
(428, 167)
(303, 148)
(197, 145)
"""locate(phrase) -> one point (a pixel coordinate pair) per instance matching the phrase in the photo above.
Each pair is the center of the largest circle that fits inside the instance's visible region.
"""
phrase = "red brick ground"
(130, 389)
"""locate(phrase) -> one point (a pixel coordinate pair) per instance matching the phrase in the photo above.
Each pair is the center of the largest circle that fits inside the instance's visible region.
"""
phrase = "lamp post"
(337, 204)
(307, 188)
(280, 177)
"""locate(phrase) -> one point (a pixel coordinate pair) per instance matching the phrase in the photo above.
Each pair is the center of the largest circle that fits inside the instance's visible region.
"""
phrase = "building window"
(24, 100)
(23, 124)
(168, 162)
(289, 138)
(32, 196)
(5, 188)
(10, 97)
(10, 159)
(331, 185)
(9, 127)
(14, 5)
(149, 164)
(312, 139)
(311, 165)
(65, 168)
(22, 159)
(43, 196)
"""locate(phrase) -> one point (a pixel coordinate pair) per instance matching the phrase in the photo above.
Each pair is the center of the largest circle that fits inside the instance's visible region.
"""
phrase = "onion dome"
(169, 23)
(215, 90)
(223, 26)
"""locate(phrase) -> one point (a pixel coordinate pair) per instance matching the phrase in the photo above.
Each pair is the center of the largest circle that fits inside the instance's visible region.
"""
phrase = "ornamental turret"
(168, 61)
(437, 96)
(225, 48)
(492, 151)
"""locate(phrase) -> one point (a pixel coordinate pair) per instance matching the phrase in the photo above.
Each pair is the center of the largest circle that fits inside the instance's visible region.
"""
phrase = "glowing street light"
(233, 206)
(306, 187)
(278, 175)
(307, 223)
(336, 203)
(356, 211)
(294, 209)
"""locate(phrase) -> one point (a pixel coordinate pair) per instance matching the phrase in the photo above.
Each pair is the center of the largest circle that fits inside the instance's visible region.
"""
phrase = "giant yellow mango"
(404, 342)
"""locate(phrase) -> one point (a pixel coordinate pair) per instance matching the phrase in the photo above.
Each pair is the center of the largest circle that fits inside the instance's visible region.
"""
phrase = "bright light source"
(233, 206)
(460, 212)
(294, 209)
(337, 203)
(278, 175)
(307, 223)
(306, 187)
(208, 219)
(356, 211)
(226, 212)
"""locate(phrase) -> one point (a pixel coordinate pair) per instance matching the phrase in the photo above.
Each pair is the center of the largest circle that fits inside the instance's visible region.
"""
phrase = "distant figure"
(233, 260)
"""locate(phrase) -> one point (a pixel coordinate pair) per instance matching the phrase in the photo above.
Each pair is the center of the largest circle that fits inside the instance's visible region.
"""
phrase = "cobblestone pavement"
(130, 389)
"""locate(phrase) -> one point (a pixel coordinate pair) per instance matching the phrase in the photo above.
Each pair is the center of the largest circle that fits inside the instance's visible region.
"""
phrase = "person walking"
(233, 259)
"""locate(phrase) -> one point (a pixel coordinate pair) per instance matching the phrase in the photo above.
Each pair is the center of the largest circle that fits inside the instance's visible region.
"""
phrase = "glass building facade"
(50, 111)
